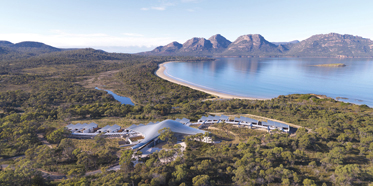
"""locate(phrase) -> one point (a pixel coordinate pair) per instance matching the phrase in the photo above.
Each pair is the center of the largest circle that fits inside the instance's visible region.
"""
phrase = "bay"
(271, 77)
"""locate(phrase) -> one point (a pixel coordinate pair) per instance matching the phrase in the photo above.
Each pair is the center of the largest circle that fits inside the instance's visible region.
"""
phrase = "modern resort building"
(151, 134)
(140, 136)
(244, 121)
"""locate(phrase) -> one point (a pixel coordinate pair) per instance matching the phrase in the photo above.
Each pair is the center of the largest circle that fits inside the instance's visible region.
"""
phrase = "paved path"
(52, 175)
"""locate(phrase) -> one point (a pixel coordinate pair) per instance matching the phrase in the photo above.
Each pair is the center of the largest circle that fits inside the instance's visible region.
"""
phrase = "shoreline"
(160, 73)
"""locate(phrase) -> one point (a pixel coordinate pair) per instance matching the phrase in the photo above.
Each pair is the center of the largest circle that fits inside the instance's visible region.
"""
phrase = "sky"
(131, 26)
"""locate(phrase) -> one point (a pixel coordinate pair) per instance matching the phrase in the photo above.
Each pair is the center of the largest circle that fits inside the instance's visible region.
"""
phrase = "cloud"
(59, 38)
(189, 1)
(192, 9)
(162, 5)
(159, 8)
(133, 34)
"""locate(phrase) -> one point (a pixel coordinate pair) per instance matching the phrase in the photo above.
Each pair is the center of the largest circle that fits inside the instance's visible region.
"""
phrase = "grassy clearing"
(88, 144)
(123, 122)
(48, 69)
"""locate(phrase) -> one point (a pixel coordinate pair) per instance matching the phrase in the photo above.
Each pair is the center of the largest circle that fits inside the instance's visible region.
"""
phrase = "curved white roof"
(150, 132)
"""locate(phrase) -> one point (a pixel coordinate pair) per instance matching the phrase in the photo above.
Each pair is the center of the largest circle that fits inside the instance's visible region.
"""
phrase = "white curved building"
(150, 132)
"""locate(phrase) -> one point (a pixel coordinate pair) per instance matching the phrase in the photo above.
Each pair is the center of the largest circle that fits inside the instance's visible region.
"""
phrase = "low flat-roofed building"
(114, 128)
(103, 129)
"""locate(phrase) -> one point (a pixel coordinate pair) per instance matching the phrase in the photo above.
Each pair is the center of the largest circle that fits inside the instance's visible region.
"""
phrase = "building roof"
(92, 125)
(248, 120)
(277, 124)
(150, 132)
(223, 117)
(185, 120)
(203, 118)
(103, 129)
(210, 117)
(132, 126)
(114, 127)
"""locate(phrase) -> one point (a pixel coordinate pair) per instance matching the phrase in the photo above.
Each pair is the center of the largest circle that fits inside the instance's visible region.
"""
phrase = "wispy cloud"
(193, 9)
(60, 38)
(133, 34)
(159, 8)
(162, 5)
(190, 1)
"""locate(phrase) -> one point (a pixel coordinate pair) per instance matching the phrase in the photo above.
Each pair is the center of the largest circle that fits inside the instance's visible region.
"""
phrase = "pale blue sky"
(136, 25)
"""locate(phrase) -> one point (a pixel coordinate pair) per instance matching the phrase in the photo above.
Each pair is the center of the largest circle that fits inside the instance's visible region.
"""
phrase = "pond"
(121, 99)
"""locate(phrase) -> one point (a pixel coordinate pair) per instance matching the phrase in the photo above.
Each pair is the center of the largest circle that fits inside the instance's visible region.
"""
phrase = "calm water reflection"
(121, 99)
(268, 78)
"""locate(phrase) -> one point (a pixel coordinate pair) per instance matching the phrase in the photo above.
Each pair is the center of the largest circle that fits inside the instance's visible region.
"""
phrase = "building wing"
(150, 132)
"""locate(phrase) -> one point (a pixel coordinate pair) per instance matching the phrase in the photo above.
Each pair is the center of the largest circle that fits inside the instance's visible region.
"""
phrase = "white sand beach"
(160, 73)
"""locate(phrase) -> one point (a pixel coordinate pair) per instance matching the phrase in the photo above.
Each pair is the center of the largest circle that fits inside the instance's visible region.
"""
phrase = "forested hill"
(40, 94)
(255, 45)
(24, 49)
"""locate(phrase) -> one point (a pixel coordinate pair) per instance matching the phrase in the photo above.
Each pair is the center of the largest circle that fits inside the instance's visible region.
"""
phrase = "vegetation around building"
(40, 94)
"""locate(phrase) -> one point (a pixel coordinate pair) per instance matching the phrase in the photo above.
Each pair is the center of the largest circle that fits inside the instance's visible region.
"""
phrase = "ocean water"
(271, 77)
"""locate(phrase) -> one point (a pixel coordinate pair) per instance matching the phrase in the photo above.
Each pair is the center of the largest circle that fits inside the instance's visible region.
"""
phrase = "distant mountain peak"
(175, 43)
(218, 41)
(168, 49)
(334, 45)
(32, 44)
(253, 37)
(196, 44)
(251, 44)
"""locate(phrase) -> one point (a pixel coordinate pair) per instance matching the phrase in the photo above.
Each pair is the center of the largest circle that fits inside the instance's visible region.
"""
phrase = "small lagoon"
(121, 99)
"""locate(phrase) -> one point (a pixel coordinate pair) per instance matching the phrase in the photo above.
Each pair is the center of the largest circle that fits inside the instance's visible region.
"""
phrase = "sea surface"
(121, 99)
(271, 77)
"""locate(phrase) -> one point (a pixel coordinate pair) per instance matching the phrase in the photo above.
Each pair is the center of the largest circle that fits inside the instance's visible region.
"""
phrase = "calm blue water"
(121, 99)
(269, 78)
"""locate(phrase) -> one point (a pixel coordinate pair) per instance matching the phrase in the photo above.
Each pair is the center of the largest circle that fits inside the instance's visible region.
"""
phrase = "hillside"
(168, 49)
(333, 45)
(39, 100)
(255, 45)
(24, 49)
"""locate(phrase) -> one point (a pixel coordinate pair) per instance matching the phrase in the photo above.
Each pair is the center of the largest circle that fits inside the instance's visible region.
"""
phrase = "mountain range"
(252, 45)
(255, 45)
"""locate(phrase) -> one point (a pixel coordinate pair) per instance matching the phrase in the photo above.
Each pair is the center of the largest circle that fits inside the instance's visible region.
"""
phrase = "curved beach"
(160, 73)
